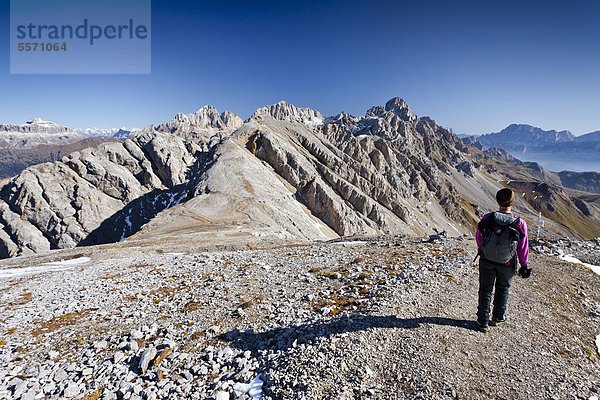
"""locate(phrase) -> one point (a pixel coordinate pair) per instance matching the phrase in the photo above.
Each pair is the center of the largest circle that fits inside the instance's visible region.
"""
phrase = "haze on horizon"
(474, 68)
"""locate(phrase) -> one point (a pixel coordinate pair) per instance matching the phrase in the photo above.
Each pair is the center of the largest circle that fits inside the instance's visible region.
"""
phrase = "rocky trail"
(381, 318)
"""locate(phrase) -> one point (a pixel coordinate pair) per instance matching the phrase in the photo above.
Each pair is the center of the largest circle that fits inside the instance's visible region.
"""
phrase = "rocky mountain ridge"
(281, 176)
(288, 112)
(206, 117)
(13, 161)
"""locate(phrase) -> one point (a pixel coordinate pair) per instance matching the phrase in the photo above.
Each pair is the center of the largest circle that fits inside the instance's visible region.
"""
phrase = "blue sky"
(473, 66)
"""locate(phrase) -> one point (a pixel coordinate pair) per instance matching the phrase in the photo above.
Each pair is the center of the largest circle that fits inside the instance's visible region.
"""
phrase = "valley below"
(560, 161)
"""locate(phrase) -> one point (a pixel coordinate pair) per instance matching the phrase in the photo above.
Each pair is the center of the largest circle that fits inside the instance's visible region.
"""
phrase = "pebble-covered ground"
(378, 318)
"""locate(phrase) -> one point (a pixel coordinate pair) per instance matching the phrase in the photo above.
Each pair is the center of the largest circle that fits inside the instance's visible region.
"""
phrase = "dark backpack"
(500, 234)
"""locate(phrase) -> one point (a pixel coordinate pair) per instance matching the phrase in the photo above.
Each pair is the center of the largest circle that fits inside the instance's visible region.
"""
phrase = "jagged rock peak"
(36, 125)
(341, 118)
(396, 106)
(288, 112)
(205, 118)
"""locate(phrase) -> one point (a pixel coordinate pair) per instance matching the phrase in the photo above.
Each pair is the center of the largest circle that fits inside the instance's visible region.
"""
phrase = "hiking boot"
(497, 321)
(482, 327)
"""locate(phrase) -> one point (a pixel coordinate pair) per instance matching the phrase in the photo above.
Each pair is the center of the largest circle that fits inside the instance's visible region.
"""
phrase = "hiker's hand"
(524, 272)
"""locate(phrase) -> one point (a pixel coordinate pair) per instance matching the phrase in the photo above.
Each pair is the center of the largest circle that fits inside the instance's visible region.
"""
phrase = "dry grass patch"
(166, 292)
(246, 304)
(60, 321)
(23, 299)
(191, 306)
(95, 395)
(110, 276)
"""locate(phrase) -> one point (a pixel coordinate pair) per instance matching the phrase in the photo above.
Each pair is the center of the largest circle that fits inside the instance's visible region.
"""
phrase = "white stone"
(221, 395)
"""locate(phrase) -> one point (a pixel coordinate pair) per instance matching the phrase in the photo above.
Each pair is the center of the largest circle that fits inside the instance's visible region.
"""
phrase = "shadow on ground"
(285, 337)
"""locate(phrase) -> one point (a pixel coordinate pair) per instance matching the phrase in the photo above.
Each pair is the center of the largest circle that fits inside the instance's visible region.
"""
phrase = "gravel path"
(374, 318)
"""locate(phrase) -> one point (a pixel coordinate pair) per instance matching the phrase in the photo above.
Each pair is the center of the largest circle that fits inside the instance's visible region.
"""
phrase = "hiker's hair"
(505, 197)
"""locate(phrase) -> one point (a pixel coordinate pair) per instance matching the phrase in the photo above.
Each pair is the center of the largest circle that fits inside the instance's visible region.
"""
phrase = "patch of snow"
(173, 199)
(73, 261)
(53, 266)
(453, 227)
(571, 259)
(350, 242)
(253, 389)
(598, 343)
(313, 123)
(128, 224)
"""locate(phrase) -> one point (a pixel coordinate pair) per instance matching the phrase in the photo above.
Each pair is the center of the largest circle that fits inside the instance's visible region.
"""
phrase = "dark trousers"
(501, 275)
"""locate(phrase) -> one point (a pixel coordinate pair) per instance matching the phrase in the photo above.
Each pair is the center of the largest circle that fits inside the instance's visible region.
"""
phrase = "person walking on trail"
(501, 240)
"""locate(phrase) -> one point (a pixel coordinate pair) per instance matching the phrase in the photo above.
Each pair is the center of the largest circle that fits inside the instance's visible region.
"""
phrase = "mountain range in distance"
(38, 141)
(555, 150)
(40, 131)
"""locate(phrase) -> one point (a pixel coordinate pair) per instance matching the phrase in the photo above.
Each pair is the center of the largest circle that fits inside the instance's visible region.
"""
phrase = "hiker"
(501, 239)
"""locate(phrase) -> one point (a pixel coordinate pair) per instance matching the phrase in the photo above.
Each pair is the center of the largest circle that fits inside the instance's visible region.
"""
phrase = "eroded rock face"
(288, 112)
(19, 236)
(205, 118)
(370, 175)
(169, 156)
(305, 176)
(583, 207)
(238, 196)
(58, 205)
(201, 130)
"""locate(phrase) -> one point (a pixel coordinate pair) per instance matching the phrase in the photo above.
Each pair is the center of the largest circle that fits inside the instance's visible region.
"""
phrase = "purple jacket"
(522, 246)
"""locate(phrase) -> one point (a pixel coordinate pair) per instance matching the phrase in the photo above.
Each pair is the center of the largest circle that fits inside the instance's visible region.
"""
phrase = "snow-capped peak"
(118, 133)
(36, 125)
(42, 122)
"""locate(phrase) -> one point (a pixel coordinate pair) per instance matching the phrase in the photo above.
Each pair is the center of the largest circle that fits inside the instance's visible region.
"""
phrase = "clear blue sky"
(474, 66)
